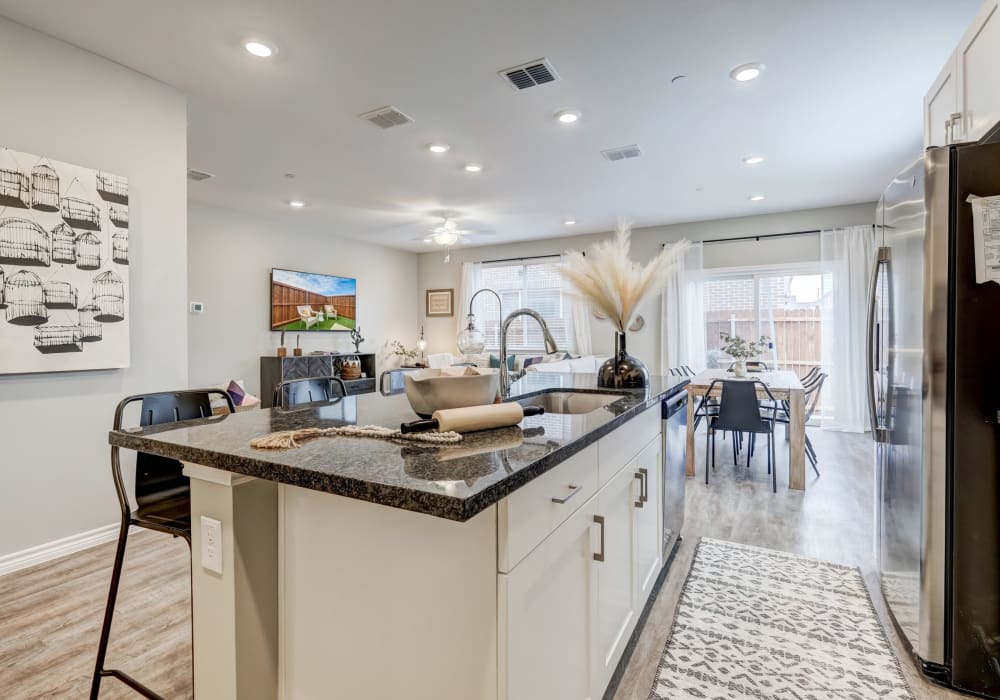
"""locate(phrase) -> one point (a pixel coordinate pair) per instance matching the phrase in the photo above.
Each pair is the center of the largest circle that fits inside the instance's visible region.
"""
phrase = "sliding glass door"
(782, 304)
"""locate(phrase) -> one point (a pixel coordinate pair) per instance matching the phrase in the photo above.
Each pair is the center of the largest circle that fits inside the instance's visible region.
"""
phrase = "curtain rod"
(807, 232)
(525, 257)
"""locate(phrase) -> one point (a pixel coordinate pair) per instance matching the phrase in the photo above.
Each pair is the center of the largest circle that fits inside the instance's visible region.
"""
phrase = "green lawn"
(340, 324)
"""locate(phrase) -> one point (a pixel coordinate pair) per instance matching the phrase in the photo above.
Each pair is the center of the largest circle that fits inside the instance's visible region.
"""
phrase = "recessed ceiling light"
(568, 116)
(756, 198)
(746, 72)
(259, 49)
(296, 203)
(438, 147)
(752, 160)
(473, 168)
(570, 222)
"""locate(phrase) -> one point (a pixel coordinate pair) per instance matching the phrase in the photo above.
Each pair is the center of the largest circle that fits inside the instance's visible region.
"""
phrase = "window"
(535, 284)
(782, 304)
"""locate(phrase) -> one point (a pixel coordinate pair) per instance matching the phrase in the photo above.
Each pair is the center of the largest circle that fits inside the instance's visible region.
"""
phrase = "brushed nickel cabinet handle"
(643, 476)
(575, 490)
(599, 519)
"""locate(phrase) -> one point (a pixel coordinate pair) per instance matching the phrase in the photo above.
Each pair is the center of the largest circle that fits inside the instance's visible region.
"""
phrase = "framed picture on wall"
(440, 302)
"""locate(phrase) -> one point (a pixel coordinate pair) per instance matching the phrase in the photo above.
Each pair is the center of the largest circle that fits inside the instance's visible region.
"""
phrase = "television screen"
(306, 301)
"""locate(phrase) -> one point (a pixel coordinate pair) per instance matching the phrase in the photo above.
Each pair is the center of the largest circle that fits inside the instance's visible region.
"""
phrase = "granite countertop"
(454, 482)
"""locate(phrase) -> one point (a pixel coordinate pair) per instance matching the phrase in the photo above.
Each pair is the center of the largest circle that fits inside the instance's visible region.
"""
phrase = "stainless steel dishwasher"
(674, 413)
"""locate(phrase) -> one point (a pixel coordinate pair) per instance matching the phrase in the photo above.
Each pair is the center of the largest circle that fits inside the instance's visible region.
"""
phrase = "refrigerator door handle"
(881, 258)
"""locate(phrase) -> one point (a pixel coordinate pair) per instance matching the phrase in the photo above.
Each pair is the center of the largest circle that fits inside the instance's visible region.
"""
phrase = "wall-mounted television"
(308, 301)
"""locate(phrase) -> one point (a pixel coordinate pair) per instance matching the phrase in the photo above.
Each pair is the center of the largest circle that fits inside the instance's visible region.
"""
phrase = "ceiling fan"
(447, 234)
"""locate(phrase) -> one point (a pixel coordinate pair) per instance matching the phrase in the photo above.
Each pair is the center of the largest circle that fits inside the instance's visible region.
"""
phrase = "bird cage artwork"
(23, 242)
(49, 339)
(25, 299)
(109, 296)
(59, 295)
(15, 189)
(88, 251)
(44, 188)
(119, 247)
(65, 276)
(90, 328)
(80, 213)
(64, 244)
(112, 188)
(118, 213)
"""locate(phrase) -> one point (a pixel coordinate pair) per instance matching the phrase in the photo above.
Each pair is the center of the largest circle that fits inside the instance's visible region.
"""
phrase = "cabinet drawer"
(529, 515)
(617, 448)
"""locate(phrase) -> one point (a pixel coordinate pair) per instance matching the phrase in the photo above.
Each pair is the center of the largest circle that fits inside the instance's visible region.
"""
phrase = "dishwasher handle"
(674, 404)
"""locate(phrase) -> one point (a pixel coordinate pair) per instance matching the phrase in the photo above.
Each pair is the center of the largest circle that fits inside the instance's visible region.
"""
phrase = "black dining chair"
(811, 399)
(163, 501)
(296, 392)
(740, 410)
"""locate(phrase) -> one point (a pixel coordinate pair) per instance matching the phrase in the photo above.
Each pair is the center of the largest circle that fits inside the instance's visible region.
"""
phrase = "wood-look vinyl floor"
(50, 615)
(833, 520)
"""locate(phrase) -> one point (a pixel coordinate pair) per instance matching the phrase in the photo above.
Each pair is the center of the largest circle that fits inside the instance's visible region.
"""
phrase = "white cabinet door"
(648, 514)
(978, 73)
(616, 613)
(940, 104)
(548, 602)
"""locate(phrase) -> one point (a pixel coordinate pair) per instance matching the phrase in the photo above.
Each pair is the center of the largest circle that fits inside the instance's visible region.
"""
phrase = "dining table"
(784, 386)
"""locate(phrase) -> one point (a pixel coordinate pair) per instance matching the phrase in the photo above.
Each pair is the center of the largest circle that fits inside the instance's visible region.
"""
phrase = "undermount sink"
(570, 402)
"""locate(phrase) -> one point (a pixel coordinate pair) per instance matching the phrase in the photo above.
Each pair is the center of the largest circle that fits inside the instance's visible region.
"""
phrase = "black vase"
(622, 371)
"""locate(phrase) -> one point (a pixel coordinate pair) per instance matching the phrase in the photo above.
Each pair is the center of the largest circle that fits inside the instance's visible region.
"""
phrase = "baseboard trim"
(9, 563)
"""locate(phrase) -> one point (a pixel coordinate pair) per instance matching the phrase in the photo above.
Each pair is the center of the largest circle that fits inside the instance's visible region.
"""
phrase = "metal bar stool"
(163, 498)
(297, 392)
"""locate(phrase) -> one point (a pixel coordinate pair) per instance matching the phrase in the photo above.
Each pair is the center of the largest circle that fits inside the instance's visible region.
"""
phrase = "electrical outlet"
(197, 307)
(211, 544)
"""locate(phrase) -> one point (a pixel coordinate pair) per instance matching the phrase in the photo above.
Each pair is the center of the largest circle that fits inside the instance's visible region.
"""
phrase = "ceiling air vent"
(526, 75)
(198, 175)
(622, 153)
(386, 117)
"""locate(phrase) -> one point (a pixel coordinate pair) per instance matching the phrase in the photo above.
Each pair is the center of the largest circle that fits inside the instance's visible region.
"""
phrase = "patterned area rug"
(756, 623)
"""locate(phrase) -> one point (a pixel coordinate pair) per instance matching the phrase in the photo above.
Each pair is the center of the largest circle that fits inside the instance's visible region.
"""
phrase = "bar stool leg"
(109, 610)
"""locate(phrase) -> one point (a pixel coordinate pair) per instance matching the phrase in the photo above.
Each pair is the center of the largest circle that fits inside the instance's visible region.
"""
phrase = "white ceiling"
(836, 113)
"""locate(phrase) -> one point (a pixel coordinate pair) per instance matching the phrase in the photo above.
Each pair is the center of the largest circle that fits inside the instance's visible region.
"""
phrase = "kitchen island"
(515, 564)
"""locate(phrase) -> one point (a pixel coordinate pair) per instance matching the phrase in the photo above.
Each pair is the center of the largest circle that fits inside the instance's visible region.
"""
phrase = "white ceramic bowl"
(428, 391)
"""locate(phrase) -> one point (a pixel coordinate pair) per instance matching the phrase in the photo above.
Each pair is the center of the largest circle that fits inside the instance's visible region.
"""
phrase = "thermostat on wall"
(197, 307)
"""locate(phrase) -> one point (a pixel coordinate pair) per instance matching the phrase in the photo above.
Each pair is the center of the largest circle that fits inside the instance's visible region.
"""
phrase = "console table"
(274, 370)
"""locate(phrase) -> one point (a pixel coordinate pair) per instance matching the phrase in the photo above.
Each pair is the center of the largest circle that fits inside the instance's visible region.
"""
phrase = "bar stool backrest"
(297, 392)
(159, 477)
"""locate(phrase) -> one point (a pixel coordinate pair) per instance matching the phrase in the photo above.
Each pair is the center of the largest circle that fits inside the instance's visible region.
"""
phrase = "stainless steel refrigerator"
(934, 397)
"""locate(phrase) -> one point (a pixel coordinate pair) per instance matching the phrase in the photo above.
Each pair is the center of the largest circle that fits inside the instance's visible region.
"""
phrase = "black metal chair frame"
(812, 393)
(762, 424)
(280, 391)
(130, 518)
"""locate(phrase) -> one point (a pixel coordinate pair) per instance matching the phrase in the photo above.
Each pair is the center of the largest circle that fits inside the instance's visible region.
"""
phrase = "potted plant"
(741, 350)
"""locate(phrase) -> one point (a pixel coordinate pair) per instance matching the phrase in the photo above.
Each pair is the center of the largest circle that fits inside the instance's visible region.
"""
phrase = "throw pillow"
(528, 361)
(495, 362)
(236, 393)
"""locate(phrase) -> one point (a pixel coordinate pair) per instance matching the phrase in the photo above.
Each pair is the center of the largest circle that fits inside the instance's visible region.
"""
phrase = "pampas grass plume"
(612, 283)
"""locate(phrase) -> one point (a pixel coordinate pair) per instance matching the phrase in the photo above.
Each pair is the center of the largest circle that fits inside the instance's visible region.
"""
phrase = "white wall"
(646, 242)
(229, 265)
(70, 105)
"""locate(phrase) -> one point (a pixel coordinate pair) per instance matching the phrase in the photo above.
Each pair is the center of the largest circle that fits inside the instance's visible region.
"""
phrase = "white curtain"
(577, 313)
(847, 256)
(682, 340)
(467, 286)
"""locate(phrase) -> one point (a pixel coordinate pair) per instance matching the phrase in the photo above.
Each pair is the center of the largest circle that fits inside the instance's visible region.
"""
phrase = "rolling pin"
(467, 420)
